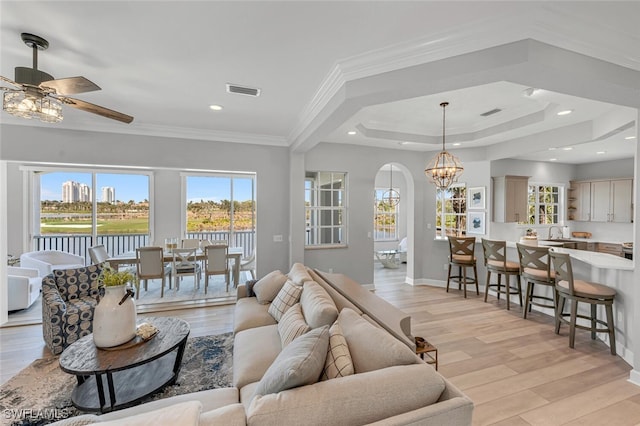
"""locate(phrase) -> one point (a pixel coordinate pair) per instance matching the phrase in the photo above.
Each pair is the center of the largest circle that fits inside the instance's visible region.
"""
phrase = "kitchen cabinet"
(615, 249)
(611, 201)
(510, 198)
(601, 201)
(579, 201)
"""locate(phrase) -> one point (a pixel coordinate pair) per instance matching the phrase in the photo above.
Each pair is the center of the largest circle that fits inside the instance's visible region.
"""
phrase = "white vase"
(114, 324)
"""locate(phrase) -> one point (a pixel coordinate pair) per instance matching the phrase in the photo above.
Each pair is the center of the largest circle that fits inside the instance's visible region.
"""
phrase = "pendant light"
(391, 197)
(445, 168)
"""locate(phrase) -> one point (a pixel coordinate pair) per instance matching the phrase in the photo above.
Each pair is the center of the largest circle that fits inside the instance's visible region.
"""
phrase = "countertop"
(593, 258)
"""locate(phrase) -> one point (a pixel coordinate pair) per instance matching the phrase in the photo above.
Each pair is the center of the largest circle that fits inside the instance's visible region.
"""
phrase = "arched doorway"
(393, 227)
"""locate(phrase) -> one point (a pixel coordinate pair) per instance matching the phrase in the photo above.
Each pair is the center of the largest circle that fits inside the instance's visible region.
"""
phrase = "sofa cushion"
(300, 363)
(292, 325)
(266, 288)
(248, 313)
(363, 336)
(317, 306)
(183, 413)
(338, 362)
(298, 274)
(231, 415)
(288, 296)
(253, 352)
(352, 400)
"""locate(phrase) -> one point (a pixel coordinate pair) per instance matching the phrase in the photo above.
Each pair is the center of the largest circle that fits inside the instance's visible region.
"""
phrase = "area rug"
(41, 393)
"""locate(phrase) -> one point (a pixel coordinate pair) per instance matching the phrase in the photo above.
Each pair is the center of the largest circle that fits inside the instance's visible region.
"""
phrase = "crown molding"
(162, 131)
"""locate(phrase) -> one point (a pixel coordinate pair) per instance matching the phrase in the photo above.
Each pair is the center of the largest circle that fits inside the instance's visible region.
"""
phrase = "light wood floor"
(517, 372)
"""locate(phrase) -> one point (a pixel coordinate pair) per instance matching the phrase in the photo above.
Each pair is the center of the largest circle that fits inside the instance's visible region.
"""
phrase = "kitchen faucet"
(550, 232)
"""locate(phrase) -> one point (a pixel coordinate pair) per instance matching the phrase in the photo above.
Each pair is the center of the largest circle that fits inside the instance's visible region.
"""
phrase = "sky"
(136, 187)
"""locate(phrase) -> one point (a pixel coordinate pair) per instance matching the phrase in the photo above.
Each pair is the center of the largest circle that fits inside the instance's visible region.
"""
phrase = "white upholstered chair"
(23, 285)
(45, 261)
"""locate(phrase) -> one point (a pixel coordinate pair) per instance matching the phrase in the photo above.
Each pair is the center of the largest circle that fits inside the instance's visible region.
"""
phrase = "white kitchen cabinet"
(579, 201)
(611, 201)
(510, 198)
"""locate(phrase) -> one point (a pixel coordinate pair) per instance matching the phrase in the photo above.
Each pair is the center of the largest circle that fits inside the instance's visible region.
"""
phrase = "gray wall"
(166, 157)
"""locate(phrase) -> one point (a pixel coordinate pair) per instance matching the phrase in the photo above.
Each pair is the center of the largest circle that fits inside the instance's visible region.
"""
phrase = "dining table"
(129, 258)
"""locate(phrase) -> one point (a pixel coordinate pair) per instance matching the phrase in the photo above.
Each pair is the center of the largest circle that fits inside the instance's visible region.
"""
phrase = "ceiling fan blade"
(96, 109)
(71, 85)
(7, 80)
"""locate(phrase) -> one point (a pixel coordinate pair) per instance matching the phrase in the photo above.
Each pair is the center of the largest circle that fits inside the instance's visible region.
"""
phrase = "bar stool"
(495, 260)
(535, 268)
(581, 291)
(461, 254)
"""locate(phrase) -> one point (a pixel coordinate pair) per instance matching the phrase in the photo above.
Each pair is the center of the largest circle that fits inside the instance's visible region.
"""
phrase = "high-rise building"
(108, 194)
(74, 191)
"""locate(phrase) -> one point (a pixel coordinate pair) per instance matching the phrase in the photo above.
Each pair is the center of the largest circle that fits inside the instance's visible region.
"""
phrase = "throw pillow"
(361, 335)
(317, 306)
(288, 296)
(300, 363)
(298, 274)
(338, 362)
(267, 287)
(292, 325)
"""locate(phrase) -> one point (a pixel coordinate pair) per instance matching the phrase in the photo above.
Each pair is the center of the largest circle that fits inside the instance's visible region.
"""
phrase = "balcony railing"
(121, 243)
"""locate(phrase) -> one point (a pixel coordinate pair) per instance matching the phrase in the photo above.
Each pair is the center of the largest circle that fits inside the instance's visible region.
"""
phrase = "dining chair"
(216, 263)
(579, 291)
(495, 260)
(535, 268)
(98, 254)
(461, 255)
(249, 264)
(190, 243)
(150, 265)
(185, 263)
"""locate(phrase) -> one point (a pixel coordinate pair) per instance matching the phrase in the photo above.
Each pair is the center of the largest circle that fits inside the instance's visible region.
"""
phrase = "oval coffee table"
(115, 378)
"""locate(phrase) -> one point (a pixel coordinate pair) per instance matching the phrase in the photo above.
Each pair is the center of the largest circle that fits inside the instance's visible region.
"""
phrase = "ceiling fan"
(38, 95)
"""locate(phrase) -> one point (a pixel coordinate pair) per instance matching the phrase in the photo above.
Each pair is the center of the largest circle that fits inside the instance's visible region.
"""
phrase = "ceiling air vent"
(493, 111)
(242, 90)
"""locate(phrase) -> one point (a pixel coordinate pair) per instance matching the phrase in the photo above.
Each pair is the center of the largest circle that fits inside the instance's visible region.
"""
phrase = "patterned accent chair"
(69, 297)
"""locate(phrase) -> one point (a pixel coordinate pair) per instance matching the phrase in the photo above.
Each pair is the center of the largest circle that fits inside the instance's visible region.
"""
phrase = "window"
(79, 208)
(222, 207)
(544, 204)
(451, 211)
(325, 210)
(385, 221)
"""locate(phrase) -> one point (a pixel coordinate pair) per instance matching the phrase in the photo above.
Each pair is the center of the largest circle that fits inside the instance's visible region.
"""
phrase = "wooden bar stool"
(581, 291)
(461, 255)
(495, 260)
(535, 268)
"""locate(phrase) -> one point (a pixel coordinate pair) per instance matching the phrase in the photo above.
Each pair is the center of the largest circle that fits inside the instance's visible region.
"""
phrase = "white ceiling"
(321, 67)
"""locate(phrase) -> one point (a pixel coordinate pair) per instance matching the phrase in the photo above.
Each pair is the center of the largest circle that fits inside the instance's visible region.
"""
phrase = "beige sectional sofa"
(315, 349)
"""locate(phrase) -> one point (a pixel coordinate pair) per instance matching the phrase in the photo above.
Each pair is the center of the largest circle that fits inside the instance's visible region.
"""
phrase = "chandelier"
(24, 105)
(445, 168)
(391, 196)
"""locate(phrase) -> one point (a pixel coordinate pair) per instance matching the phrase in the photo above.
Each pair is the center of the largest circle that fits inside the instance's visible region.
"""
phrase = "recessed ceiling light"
(457, 144)
(565, 112)
(552, 149)
(601, 152)
(630, 137)
(216, 107)
(351, 132)
(553, 159)
(567, 148)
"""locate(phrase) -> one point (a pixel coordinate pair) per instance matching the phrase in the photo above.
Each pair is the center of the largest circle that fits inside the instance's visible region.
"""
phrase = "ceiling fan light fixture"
(21, 104)
(445, 168)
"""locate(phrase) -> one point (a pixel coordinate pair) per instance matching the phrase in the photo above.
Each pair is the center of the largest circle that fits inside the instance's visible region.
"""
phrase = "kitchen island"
(613, 271)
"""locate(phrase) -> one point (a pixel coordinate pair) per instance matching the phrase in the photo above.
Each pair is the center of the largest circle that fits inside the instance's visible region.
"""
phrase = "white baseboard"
(634, 377)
